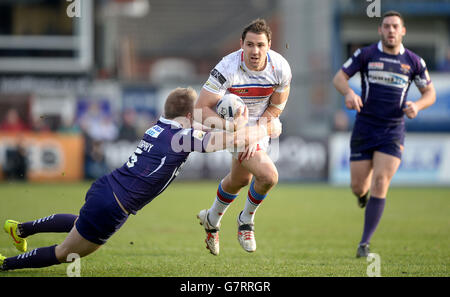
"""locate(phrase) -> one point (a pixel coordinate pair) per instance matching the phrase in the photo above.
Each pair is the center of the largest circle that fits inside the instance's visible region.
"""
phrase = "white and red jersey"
(231, 75)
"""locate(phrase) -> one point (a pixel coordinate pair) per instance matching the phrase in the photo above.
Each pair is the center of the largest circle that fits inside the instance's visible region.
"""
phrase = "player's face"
(392, 32)
(255, 48)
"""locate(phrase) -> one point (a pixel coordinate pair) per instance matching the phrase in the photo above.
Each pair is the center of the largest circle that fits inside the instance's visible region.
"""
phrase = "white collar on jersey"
(170, 122)
(245, 68)
(380, 48)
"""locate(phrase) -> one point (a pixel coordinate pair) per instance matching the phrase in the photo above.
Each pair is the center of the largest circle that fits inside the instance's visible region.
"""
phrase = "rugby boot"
(212, 233)
(362, 251)
(10, 228)
(2, 259)
(246, 235)
(362, 201)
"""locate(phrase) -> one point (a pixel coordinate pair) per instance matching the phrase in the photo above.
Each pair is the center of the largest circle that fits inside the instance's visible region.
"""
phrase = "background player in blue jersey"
(156, 162)
(387, 70)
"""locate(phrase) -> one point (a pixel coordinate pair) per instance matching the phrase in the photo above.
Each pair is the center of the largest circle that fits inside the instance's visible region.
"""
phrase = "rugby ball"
(228, 106)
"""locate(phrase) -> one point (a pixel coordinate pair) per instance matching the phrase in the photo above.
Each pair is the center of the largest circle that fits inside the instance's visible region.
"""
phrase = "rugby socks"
(220, 205)
(252, 203)
(57, 223)
(374, 211)
(37, 258)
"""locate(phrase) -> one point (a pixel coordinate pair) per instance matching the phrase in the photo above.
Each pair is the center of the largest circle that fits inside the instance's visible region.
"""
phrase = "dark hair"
(392, 13)
(179, 102)
(258, 26)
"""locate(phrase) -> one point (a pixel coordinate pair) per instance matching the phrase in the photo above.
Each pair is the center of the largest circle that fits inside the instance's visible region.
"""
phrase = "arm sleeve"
(353, 64)
(421, 76)
(286, 77)
(218, 82)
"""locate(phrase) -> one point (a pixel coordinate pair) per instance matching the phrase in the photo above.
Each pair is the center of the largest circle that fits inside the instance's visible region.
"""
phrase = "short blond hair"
(180, 102)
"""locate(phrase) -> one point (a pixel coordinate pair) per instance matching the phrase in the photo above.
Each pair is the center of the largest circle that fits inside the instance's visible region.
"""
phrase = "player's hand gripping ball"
(229, 105)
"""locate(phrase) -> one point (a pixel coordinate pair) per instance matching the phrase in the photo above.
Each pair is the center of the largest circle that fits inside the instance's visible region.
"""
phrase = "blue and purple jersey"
(385, 80)
(156, 162)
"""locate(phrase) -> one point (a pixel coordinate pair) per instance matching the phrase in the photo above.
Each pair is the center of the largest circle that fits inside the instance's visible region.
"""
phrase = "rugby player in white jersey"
(261, 77)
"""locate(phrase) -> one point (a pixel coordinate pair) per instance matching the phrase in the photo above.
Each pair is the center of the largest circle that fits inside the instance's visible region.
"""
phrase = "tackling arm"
(206, 104)
(243, 137)
(200, 126)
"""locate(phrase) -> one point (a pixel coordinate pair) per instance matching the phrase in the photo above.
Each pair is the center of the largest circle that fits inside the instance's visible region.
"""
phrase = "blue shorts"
(367, 139)
(101, 216)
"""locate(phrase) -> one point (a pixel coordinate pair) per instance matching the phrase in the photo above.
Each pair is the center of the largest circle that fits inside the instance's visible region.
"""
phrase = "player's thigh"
(238, 177)
(262, 168)
(74, 243)
(361, 174)
(384, 168)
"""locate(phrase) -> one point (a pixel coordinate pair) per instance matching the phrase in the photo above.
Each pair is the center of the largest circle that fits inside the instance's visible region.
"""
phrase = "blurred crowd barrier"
(37, 156)
(66, 129)
(83, 130)
(425, 160)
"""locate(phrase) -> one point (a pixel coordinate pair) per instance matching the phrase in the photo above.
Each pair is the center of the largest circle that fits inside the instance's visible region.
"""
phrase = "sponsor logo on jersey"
(420, 82)
(252, 91)
(388, 79)
(239, 91)
(405, 68)
(216, 74)
(154, 131)
(211, 85)
(376, 65)
(256, 77)
(390, 60)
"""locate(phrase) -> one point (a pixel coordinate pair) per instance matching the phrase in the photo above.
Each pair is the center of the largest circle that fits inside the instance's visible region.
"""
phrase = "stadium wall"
(425, 160)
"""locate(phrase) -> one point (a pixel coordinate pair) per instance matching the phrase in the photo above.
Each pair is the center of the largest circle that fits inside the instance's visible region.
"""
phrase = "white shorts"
(263, 145)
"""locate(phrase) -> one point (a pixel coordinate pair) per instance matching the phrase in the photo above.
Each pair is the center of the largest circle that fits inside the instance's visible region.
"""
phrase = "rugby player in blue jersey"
(156, 162)
(387, 70)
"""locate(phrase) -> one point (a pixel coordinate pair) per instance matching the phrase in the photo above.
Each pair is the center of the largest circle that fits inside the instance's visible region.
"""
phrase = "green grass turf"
(301, 230)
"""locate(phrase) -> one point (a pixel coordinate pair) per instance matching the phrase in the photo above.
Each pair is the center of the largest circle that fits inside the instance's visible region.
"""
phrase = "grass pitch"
(301, 230)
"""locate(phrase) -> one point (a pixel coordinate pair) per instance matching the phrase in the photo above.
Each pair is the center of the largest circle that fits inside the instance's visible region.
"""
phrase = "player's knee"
(358, 188)
(243, 182)
(268, 178)
(61, 253)
(380, 183)
(64, 252)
